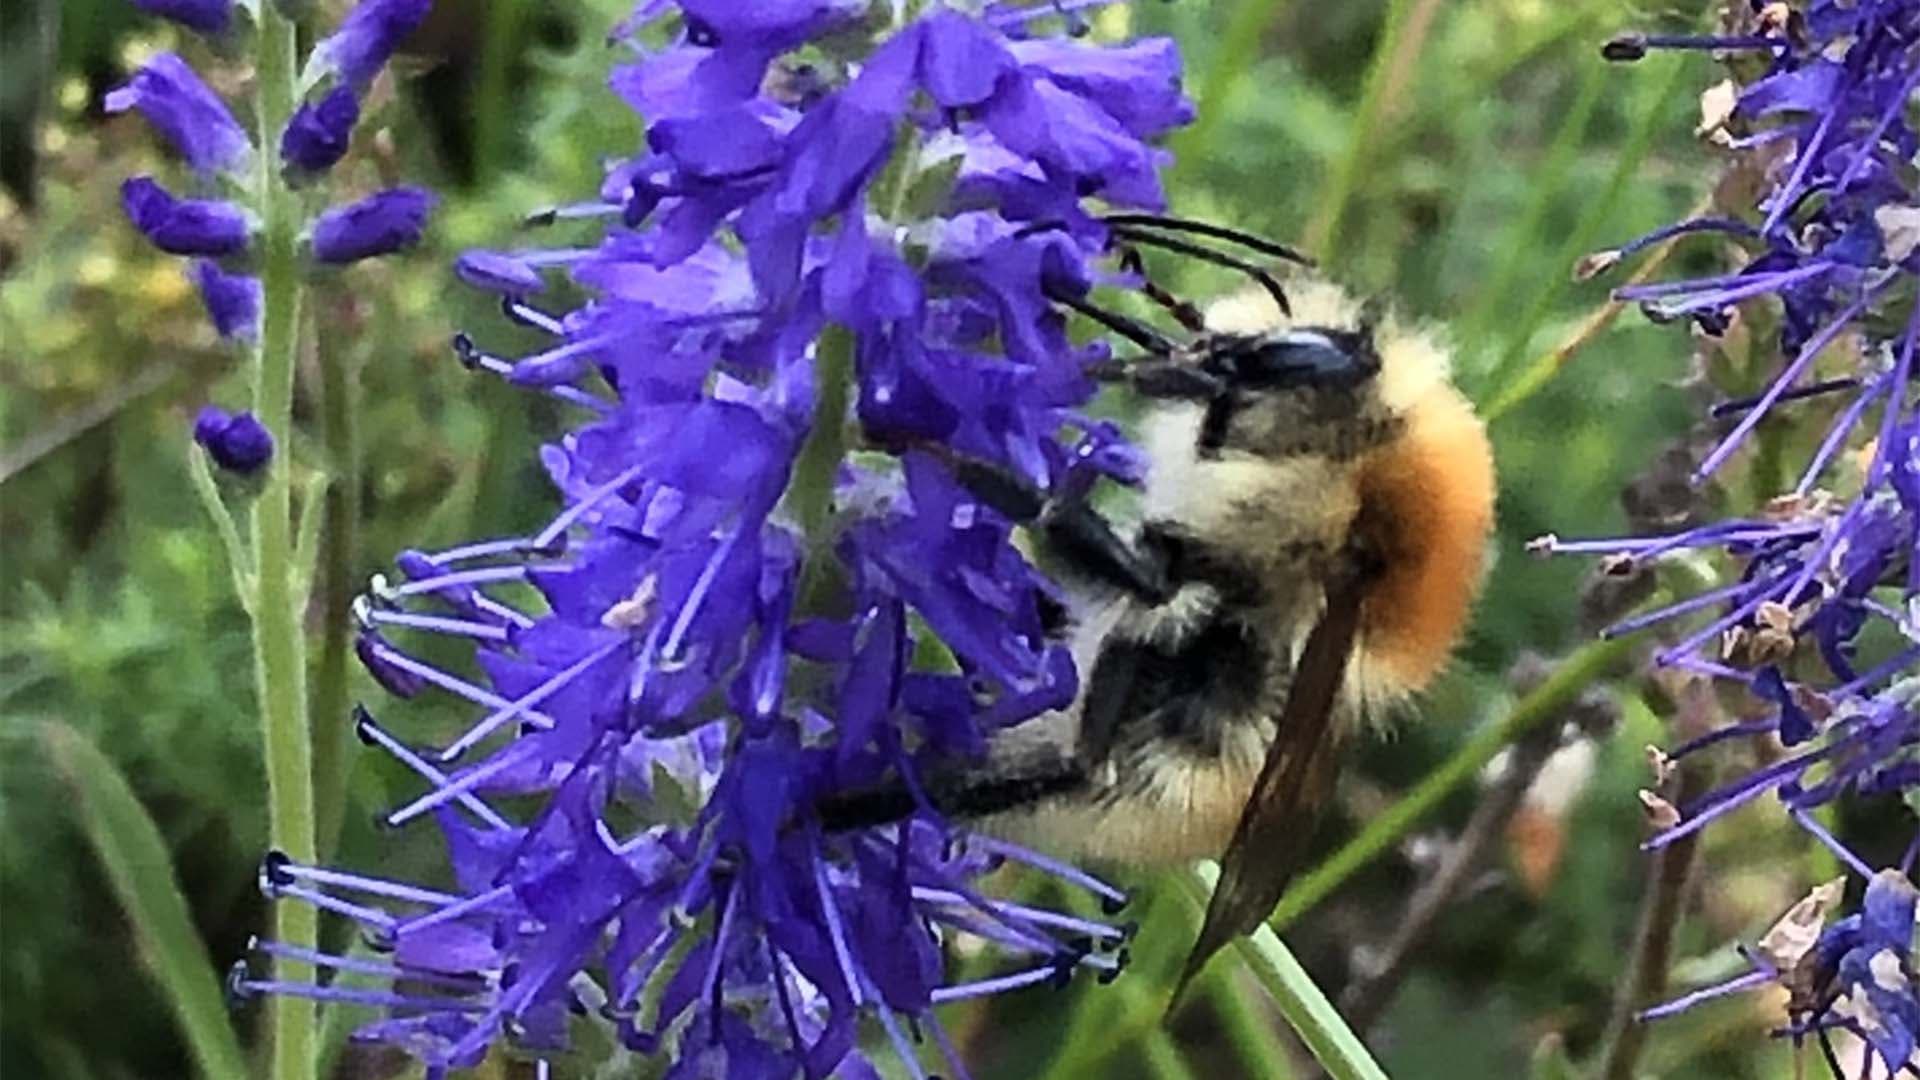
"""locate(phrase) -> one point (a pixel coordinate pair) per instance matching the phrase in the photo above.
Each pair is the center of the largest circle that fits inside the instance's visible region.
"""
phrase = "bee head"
(1298, 389)
(1329, 426)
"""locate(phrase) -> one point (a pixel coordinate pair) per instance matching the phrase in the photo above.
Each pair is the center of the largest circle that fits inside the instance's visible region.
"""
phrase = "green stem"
(1598, 213)
(1581, 669)
(1327, 1037)
(809, 497)
(1252, 1035)
(239, 561)
(1403, 35)
(339, 555)
(278, 642)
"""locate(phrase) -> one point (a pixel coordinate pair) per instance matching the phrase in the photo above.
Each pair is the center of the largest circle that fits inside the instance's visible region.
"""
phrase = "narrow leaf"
(136, 861)
(1320, 1026)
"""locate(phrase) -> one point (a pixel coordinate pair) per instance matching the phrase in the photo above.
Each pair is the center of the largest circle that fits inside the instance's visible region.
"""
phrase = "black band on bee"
(958, 790)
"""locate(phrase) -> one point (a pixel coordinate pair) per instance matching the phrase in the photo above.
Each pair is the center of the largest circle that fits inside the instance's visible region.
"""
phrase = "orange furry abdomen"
(1427, 503)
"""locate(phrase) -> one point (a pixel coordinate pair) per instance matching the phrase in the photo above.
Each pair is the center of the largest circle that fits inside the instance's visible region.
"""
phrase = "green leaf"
(136, 861)
(1320, 1026)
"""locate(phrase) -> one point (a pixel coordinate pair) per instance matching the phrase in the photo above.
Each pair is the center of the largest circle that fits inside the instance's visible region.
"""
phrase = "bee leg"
(1073, 531)
(1011, 778)
(1183, 312)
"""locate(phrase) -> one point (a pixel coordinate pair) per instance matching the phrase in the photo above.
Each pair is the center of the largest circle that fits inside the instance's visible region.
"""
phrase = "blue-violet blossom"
(1822, 621)
(807, 252)
(204, 16)
(237, 442)
(384, 222)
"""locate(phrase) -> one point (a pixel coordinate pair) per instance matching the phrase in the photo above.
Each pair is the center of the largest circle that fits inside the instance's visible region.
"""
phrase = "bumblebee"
(1311, 540)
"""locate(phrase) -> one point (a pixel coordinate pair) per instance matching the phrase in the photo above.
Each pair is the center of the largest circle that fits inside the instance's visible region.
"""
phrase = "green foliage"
(141, 869)
(1458, 155)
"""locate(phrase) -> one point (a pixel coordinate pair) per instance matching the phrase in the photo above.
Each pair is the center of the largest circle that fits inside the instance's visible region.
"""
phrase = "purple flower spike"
(379, 224)
(237, 442)
(187, 112)
(1819, 616)
(368, 36)
(317, 135)
(232, 300)
(756, 934)
(205, 16)
(184, 226)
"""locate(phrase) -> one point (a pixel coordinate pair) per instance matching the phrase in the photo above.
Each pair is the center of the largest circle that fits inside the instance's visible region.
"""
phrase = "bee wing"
(1294, 784)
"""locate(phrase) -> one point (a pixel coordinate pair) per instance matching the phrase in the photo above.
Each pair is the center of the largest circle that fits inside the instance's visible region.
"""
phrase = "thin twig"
(1549, 364)
(27, 452)
(1645, 978)
(1368, 995)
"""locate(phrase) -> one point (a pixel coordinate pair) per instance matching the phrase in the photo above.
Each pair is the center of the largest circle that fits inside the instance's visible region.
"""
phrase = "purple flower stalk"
(1822, 622)
(200, 127)
(736, 616)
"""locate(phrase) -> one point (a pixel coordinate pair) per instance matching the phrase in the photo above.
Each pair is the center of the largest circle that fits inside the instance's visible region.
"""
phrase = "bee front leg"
(1084, 542)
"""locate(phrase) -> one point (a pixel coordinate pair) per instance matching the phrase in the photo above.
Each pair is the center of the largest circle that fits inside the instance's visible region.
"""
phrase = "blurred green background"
(1456, 157)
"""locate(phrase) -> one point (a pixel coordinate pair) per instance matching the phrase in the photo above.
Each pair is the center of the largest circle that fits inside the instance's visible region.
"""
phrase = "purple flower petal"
(498, 272)
(379, 224)
(962, 60)
(184, 226)
(232, 300)
(367, 38)
(187, 112)
(318, 132)
(1138, 84)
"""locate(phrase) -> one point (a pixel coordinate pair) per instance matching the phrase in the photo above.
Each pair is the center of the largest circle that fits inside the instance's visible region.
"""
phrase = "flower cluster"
(828, 276)
(217, 225)
(1821, 623)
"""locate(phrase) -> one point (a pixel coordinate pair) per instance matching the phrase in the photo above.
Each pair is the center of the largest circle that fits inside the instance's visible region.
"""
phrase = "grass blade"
(1319, 1025)
(137, 863)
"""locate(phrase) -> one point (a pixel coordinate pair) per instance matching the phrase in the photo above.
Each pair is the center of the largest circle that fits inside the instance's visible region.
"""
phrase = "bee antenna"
(1219, 232)
(1207, 254)
(1125, 325)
